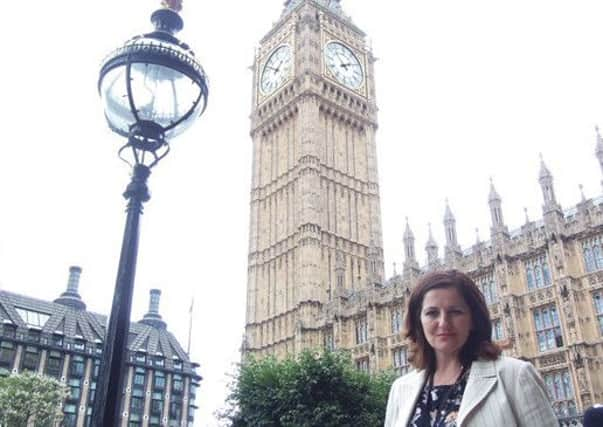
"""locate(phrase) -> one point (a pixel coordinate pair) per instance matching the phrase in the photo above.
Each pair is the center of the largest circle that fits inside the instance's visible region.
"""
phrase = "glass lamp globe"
(153, 88)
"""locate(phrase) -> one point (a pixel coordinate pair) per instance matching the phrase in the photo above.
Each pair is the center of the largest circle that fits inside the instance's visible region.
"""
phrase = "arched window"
(530, 276)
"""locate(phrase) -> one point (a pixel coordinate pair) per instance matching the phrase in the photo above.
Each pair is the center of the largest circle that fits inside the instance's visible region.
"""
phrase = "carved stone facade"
(315, 227)
(315, 255)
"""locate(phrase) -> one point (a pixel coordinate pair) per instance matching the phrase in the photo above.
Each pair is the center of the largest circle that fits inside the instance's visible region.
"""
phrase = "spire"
(496, 214)
(411, 266)
(448, 216)
(450, 226)
(432, 250)
(153, 318)
(545, 173)
(71, 297)
(525, 211)
(477, 239)
(493, 193)
(409, 243)
(546, 184)
(582, 196)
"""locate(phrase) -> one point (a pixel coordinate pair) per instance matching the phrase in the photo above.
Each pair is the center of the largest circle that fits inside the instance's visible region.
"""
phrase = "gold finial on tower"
(175, 5)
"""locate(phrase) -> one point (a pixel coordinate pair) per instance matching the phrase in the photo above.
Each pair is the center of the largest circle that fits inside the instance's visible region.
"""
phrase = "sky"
(466, 90)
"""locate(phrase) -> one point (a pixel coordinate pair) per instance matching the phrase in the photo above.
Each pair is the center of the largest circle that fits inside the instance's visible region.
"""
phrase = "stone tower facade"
(315, 225)
(316, 276)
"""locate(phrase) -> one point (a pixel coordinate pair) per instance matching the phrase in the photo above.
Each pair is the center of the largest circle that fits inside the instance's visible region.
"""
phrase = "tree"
(27, 397)
(311, 390)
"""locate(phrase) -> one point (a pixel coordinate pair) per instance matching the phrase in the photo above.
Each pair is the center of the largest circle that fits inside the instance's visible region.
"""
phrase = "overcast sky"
(467, 89)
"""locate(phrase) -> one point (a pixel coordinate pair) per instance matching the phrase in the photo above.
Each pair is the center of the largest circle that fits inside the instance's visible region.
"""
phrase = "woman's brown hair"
(478, 345)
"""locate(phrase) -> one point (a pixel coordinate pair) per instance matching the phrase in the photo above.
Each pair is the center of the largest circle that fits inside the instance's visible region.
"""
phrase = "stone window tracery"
(548, 329)
(538, 272)
(598, 300)
(400, 357)
(487, 285)
(592, 253)
(560, 390)
(361, 330)
(396, 320)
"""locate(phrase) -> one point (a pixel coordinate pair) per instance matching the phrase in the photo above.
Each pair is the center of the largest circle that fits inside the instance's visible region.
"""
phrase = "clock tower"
(315, 222)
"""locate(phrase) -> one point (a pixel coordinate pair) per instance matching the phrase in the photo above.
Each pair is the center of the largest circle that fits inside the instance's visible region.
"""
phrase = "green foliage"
(312, 390)
(26, 397)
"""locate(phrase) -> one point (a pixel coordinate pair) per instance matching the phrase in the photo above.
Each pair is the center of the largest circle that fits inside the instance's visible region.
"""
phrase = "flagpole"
(190, 326)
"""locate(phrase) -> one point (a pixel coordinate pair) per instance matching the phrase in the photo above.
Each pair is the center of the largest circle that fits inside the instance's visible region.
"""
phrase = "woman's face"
(446, 321)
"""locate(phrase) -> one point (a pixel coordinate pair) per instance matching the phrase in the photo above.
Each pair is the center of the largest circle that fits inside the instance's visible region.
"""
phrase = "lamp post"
(152, 89)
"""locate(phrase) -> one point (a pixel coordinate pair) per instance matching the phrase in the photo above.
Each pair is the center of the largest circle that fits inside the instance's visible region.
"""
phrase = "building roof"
(54, 318)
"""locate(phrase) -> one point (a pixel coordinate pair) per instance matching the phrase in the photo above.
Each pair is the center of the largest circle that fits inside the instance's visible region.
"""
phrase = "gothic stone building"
(63, 340)
(315, 275)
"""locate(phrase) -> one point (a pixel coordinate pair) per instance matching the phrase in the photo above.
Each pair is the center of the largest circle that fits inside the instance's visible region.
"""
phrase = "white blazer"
(505, 392)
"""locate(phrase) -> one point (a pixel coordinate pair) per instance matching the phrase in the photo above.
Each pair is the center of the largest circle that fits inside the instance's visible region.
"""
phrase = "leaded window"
(177, 384)
(560, 389)
(75, 388)
(548, 329)
(396, 320)
(329, 340)
(159, 380)
(361, 330)
(538, 273)
(139, 377)
(76, 367)
(487, 285)
(54, 364)
(156, 404)
(400, 358)
(592, 253)
(598, 299)
(31, 359)
(362, 364)
(70, 415)
(498, 332)
(175, 412)
(136, 403)
(7, 355)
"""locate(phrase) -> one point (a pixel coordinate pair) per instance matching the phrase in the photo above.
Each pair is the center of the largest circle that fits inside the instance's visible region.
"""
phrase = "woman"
(461, 379)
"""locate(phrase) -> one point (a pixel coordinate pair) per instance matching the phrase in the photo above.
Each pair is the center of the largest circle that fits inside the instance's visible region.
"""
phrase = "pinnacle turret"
(431, 247)
(496, 214)
(548, 191)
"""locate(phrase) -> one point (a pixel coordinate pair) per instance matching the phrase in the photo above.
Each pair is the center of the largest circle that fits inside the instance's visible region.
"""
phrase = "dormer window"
(10, 330)
(79, 344)
(140, 357)
(57, 339)
(33, 318)
(34, 335)
(159, 361)
(178, 364)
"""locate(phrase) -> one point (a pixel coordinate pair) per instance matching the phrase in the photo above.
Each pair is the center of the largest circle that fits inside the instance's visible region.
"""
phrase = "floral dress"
(438, 406)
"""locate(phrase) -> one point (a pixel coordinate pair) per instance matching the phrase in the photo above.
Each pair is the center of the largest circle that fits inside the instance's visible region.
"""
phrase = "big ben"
(315, 223)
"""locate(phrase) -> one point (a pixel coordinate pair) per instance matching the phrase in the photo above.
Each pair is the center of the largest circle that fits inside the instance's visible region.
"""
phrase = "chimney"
(153, 318)
(74, 279)
(71, 297)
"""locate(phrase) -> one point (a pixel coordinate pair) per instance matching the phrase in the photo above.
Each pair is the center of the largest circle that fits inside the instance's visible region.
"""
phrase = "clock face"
(344, 65)
(276, 70)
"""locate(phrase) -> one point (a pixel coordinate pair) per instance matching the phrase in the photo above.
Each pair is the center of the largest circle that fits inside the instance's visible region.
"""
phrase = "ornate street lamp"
(152, 89)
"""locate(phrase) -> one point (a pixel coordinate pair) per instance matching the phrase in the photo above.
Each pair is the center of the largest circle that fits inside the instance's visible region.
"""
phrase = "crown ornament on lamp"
(175, 5)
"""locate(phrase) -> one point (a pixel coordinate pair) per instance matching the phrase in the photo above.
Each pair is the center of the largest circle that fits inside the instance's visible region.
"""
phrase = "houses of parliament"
(315, 269)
